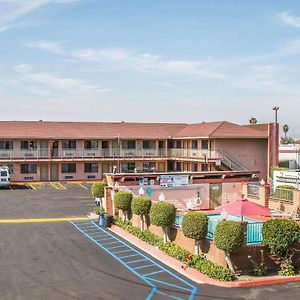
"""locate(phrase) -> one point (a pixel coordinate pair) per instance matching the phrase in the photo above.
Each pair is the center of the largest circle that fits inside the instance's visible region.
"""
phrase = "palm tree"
(285, 129)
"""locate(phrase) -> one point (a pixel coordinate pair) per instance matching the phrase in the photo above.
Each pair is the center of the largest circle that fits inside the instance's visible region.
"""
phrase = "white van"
(4, 176)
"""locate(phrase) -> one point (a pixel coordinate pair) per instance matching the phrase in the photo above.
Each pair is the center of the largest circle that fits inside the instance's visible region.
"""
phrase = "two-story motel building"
(42, 150)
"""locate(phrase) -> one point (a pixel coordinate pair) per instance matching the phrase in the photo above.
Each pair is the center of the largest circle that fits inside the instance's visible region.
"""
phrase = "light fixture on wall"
(141, 191)
(161, 197)
(262, 182)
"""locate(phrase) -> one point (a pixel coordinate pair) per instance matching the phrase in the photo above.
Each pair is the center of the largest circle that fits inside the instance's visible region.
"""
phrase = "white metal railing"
(43, 153)
(282, 194)
(230, 162)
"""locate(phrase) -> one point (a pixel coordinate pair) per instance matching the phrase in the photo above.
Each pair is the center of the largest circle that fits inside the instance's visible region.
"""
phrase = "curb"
(191, 273)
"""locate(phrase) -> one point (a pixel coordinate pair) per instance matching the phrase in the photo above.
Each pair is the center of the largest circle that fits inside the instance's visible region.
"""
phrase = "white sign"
(174, 180)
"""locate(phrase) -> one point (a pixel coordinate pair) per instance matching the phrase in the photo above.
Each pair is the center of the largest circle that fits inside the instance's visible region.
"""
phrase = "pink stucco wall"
(252, 153)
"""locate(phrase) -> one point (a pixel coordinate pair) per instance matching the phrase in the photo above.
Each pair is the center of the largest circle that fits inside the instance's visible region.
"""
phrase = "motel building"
(62, 151)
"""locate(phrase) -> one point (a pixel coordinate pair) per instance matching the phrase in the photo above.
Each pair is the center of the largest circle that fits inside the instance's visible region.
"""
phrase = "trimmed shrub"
(229, 236)
(122, 200)
(280, 236)
(98, 189)
(198, 262)
(194, 225)
(141, 206)
(209, 268)
(162, 214)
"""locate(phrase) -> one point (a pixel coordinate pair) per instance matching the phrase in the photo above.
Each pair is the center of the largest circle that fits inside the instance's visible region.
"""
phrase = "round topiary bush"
(229, 236)
(162, 214)
(98, 189)
(280, 236)
(122, 200)
(194, 225)
(141, 206)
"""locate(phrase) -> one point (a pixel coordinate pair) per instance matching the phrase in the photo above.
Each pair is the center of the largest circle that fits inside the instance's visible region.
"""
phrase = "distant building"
(39, 150)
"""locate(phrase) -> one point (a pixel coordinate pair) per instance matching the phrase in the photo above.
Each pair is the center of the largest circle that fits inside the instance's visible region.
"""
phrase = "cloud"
(289, 19)
(54, 47)
(148, 62)
(56, 83)
(11, 10)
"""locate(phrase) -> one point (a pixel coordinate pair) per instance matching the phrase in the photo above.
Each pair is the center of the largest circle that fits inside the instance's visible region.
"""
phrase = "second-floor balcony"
(114, 153)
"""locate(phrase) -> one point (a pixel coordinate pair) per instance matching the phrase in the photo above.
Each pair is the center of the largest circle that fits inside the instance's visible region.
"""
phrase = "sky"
(150, 61)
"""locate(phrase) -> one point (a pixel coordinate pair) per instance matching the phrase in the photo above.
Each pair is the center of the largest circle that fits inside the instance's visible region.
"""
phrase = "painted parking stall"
(163, 282)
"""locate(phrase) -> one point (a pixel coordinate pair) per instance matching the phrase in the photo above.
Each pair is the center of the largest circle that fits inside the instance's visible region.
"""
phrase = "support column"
(264, 195)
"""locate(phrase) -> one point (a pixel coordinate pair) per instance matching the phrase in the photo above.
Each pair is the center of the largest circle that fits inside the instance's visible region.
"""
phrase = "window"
(28, 168)
(149, 166)
(28, 145)
(6, 145)
(129, 144)
(178, 144)
(194, 167)
(105, 144)
(69, 144)
(178, 166)
(68, 168)
(90, 168)
(194, 144)
(128, 167)
(149, 144)
(204, 144)
(161, 144)
(91, 144)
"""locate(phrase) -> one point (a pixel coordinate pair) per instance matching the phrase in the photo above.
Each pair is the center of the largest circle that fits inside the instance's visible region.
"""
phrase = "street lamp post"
(276, 108)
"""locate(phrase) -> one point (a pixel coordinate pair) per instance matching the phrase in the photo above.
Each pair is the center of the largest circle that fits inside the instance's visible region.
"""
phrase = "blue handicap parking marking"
(163, 282)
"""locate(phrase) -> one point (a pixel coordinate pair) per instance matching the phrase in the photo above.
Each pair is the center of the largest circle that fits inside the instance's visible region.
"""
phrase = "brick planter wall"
(241, 260)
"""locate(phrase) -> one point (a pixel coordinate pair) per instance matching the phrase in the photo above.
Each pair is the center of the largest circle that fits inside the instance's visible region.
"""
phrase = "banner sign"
(174, 180)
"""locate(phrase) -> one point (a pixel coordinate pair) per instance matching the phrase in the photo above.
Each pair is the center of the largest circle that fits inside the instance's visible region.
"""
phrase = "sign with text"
(174, 180)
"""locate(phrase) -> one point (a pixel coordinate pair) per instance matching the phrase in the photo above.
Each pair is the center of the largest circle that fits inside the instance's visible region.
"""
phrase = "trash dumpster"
(105, 220)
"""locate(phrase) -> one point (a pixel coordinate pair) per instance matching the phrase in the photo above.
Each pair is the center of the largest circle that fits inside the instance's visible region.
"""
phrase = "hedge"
(194, 225)
(98, 189)
(141, 206)
(122, 200)
(162, 214)
(229, 236)
(198, 262)
(280, 235)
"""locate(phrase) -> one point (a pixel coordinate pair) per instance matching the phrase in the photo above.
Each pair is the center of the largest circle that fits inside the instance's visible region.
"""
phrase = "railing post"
(264, 195)
(244, 227)
(296, 198)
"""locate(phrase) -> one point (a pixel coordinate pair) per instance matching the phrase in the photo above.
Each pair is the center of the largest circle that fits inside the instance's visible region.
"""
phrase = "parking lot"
(57, 260)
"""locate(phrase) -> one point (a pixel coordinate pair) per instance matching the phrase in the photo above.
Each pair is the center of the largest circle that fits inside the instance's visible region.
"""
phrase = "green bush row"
(210, 269)
(198, 262)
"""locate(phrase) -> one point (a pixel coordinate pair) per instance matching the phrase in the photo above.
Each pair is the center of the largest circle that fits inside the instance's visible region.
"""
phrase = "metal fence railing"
(254, 233)
(282, 194)
(253, 190)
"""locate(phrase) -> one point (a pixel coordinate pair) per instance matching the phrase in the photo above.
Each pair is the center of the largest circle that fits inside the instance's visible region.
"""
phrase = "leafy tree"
(163, 214)
(194, 226)
(122, 200)
(229, 236)
(141, 206)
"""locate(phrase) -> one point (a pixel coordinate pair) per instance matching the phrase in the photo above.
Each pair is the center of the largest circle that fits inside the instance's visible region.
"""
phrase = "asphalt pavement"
(54, 260)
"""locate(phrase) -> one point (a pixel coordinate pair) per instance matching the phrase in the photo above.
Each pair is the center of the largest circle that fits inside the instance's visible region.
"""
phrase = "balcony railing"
(115, 153)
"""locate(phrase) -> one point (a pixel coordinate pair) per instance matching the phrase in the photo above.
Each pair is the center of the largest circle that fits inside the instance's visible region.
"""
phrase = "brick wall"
(241, 260)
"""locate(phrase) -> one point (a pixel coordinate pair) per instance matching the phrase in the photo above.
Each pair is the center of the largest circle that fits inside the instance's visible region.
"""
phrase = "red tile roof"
(123, 130)
(220, 130)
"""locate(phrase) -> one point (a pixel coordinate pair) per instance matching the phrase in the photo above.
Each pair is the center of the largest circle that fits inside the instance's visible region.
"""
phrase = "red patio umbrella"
(243, 207)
